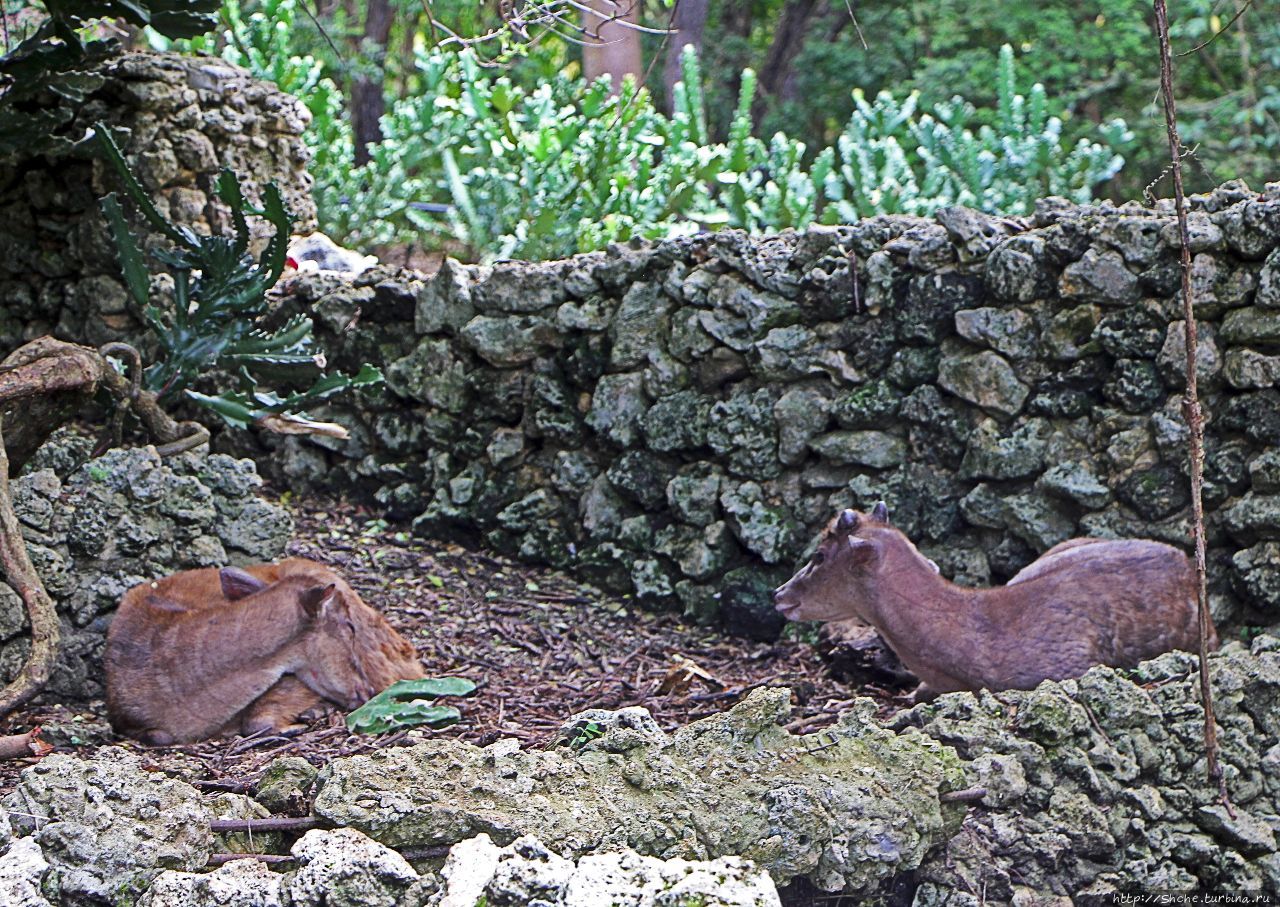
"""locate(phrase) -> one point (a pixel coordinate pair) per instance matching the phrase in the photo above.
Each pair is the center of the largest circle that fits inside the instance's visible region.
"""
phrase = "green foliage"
(566, 168)
(45, 76)
(409, 703)
(585, 733)
(216, 321)
(474, 157)
(889, 159)
(1097, 59)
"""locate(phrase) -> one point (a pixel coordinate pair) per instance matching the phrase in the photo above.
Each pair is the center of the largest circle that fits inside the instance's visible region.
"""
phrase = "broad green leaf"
(384, 717)
(406, 704)
(429, 686)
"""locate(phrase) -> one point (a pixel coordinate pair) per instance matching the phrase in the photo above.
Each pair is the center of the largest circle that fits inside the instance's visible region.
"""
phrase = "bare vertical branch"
(1191, 403)
(21, 574)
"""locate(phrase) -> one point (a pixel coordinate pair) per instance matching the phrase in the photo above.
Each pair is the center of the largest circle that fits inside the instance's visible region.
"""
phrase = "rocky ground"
(539, 645)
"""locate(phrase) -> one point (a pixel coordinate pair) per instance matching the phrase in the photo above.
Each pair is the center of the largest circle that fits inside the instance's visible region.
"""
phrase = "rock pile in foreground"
(1088, 787)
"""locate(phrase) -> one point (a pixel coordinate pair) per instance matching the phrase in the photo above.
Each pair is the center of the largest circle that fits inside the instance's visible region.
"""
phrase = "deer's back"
(1091, 602)
(167, 650)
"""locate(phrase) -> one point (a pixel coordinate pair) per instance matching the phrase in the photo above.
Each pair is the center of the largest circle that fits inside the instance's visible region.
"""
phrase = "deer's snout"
(780, 602)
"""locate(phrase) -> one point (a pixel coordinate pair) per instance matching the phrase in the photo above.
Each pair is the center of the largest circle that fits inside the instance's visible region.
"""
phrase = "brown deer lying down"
(209, 652)
(1085, 602)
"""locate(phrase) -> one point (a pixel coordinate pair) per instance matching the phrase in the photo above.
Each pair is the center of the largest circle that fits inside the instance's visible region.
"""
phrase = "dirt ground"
(539, 645)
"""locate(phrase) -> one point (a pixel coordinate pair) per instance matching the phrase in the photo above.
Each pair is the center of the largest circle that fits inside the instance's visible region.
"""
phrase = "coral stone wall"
(679, 420)
(179, 120)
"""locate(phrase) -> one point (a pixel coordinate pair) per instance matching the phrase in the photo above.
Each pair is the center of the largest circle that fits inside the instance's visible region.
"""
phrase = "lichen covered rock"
(1098, 785)
(846, 810)
(106, 827)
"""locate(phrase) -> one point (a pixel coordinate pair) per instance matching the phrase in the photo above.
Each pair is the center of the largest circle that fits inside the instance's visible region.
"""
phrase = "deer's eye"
(818, 558)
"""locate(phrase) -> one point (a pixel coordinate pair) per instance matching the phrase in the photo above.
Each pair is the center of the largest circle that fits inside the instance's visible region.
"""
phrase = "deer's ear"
(237, 583)
(316, 599)
(880, 513)
(848, 521)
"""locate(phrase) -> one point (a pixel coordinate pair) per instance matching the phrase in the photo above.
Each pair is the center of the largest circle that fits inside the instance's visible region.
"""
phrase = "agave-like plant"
(219, 305)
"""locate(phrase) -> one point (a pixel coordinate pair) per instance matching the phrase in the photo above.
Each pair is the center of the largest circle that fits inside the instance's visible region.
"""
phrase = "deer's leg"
(923, 693)
(287, 706)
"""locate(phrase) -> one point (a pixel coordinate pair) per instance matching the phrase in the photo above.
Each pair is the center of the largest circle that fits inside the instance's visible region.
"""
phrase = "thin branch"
(617, 17)
(968, 795)
(270, 859)
(1230, 22)
(848, 4)
(21, 574)
(222, 826)
(1191, 403)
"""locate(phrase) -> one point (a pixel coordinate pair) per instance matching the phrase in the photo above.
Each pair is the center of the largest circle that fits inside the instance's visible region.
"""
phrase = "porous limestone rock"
(344, 868)
(1010, 332)
(528, 872)
(1256, 576)
(1245, 368)
(106, 827)
(22, 872)
(992, 454)
(1098, 785)
(285, 784)
(846, 809)
(984, 379)
(1099, 277)
(240, 883)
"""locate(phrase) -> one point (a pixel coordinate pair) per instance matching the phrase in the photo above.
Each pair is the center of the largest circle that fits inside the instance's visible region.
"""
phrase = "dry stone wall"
(179, 120)
(679, 420)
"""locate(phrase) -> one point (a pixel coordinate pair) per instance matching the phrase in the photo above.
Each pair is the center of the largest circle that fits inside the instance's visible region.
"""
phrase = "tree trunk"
(690, 25)
(368, 101)
(612, 48)
(777, 75)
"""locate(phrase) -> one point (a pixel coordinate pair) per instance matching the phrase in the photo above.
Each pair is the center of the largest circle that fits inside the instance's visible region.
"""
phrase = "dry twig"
(22, 746)
(21, 574)
(1191, 403)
